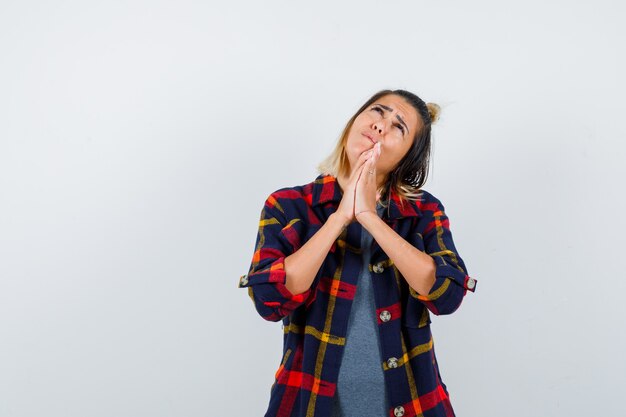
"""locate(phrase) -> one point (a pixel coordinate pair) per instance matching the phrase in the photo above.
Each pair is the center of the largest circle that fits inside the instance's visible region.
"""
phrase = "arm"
(438, 278)
(451, 278)
(415, 266)
(281, 273)
(302, 266)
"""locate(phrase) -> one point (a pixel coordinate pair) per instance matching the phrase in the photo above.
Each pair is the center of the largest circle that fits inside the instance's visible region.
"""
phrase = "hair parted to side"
(411, 173)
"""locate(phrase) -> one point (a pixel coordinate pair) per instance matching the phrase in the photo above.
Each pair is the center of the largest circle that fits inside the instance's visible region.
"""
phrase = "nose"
(380, 127)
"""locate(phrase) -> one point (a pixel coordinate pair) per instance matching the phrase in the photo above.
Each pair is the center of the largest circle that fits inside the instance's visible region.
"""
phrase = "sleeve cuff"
(445, 275)
(456, 274)
(273, 274)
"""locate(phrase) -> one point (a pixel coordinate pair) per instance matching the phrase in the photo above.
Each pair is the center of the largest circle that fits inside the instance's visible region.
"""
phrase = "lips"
(369, 137)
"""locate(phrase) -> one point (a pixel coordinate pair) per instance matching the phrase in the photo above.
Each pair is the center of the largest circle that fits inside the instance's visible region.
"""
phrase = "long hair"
(411, 172)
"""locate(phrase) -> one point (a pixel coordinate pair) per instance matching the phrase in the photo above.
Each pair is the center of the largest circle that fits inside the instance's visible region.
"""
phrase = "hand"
(366, 194)
(346, 206)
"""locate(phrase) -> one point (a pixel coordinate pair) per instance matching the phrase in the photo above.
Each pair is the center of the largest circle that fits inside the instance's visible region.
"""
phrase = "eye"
(379, 110)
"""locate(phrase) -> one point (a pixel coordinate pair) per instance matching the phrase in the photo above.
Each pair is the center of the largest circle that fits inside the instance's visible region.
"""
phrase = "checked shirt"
(315, 321)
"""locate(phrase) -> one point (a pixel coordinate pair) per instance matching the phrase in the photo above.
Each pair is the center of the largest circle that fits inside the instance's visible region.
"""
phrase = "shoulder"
(290, 200)
(429, 204)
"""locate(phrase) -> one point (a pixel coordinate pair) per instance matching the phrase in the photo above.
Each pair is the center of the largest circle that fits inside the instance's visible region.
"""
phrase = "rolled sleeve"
(451, 277)
(276, 239)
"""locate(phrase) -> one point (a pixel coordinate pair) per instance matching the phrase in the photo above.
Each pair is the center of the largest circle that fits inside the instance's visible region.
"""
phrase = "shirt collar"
(326, 189)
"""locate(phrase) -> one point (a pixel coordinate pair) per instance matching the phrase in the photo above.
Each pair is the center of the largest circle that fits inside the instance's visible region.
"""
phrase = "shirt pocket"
(416, 330)
(415, 315)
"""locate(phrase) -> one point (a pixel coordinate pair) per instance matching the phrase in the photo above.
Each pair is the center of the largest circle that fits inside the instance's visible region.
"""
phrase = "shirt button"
(398, 411)
(378, 268)
(243, 280)
(385, 316)
(471, 283)
(392, 362)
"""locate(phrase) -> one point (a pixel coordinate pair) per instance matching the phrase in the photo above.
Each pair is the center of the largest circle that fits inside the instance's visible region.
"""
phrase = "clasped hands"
(360, 194)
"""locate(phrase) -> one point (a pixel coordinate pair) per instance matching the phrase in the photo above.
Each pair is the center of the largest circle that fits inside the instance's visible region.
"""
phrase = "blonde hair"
(434, 111)
(412, 171)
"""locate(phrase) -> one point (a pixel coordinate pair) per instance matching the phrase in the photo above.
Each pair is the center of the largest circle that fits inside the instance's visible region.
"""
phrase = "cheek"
(385, 163)
(357, 145)
(390, 157)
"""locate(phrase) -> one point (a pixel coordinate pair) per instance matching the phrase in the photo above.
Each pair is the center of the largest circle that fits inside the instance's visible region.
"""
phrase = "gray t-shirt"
(361, 384)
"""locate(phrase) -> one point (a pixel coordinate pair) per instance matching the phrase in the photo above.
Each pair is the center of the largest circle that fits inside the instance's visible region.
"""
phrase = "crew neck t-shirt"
(361, 385)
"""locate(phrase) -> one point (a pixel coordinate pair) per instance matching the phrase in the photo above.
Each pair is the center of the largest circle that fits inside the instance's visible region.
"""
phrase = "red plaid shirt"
(315, 322)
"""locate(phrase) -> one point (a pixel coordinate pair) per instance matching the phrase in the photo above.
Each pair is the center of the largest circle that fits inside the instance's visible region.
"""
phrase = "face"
(391, 121)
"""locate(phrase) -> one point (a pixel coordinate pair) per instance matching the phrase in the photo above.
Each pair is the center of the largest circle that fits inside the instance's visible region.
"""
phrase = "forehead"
(402, 108)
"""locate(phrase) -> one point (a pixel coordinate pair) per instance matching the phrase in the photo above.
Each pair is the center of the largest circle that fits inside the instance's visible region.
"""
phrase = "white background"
(139, 140)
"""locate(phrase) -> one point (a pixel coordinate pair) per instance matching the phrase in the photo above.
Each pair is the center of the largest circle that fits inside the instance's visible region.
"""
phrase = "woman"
(353, 264)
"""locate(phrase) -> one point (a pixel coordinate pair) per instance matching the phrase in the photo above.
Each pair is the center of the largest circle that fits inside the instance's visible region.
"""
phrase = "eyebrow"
(397, 116)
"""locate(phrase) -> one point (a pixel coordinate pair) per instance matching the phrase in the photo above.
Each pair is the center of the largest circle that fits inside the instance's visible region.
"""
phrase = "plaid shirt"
(315, 321)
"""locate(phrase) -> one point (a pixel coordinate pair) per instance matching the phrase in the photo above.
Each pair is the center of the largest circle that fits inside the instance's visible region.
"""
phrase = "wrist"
(340, 221)
(366, 216)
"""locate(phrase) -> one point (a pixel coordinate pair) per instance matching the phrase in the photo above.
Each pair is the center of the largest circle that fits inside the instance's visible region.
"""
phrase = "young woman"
(353, 264)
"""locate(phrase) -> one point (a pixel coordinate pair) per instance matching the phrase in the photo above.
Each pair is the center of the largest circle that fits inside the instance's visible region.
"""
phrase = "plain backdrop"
(139, 140)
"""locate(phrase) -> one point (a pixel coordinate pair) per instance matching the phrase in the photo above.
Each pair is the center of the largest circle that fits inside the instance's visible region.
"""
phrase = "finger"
(363, 158)
(366, 176)
(359, 174)
(362, 168)
(376, 151)
(371, 163)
